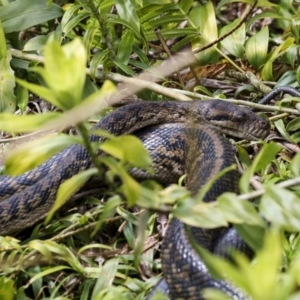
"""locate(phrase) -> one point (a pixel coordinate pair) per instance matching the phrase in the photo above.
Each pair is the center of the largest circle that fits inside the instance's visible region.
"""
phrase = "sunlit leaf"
(257, 48)
(30, 155)
(127, 148)
(234, 43)
(7, 82)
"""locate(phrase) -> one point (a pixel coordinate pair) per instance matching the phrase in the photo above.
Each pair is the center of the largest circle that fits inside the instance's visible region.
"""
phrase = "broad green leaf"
(125, 69)
(105, 278)
(41, 91)
(298, 75)
(265, 269)
(291, 55)
(234, 43)
(288, 78)
(3, 48)
(7, 85)
(130, 187)
(264, 157)
(127, 24)
(22, 14)
(32, 154)
(186, 5)
(37, 43)
(257, 48)
(293, 125)
(281, 207)
(19, 124)
(96, 61)
(22, 97)
(252, 235)
(64, 72)
(127, 148)
(237, 211)
(280, 126)
(69, 188)
(206, 215)
(7, 288)
(276, 53)
(125, 47)
(244, 156)
(71, 17)
(127, 11)
(74, 22)
(295, 29)
(88, 40)
(40, 247)
(295, 165)
(203, 17)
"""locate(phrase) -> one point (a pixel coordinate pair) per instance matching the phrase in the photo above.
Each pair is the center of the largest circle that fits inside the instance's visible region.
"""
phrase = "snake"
(182, 138)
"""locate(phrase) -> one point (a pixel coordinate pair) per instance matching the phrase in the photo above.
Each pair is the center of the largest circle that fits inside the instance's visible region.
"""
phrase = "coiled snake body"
(183, 140)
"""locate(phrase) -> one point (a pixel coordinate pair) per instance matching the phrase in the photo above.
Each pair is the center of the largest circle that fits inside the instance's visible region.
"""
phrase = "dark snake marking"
(189, 142)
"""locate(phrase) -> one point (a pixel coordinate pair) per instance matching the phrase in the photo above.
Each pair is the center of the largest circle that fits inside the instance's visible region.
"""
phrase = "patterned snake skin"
(182, 139)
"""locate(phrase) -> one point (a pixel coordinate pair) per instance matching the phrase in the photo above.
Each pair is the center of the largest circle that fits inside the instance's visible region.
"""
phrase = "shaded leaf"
(22, 14)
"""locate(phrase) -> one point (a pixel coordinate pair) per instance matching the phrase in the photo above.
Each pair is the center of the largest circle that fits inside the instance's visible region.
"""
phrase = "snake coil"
(181, 138)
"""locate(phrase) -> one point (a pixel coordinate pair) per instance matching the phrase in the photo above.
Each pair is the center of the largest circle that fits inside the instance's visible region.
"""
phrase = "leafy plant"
(73, 54)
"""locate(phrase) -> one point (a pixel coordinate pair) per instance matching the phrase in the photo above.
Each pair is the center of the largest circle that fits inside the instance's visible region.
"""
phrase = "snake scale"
(181, 138)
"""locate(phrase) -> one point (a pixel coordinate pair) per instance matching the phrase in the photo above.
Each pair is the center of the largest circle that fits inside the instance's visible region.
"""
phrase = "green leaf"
(203, 17)
(22, 14)
(252, 235)
(69, 188)
(19, 124)
(293, 125)
(257, 48)
(108, 211)
(237, 211)
(130, 187)
(127, 11)
(7, 85)
(264, 157)
(7, 289)
(64, 72)
(125, 47)
(30, 155)
(280, 126)
(277, 52)
(105, 278)
(265, 269)
(281, 207)
(295, 165)
(42, 248)
(127, 148)
(234, 43)
(22, 97)
(41, 91)
(3, 48)
(47, 272)
(37, 43)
